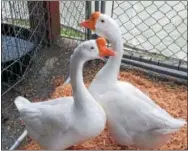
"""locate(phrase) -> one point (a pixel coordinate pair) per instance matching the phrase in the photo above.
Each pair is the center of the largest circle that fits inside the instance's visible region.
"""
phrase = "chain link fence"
(71, 13)
(154, 30)
(24, 32)
(27, 61)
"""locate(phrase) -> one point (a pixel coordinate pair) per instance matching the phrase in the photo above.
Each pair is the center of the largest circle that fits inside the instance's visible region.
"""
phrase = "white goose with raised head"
(132, 117)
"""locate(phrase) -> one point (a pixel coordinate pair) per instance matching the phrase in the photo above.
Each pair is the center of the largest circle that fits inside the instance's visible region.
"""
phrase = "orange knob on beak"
(90, 23)
(103, 50)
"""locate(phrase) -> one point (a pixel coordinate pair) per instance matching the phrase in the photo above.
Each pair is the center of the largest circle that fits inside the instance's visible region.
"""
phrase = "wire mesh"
(30, 68)
(21, 38)
(154, 30)
(71, 14)
(24, 27)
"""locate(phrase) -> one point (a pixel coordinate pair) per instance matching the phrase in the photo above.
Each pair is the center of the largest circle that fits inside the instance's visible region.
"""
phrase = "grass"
(69, 32)
(19, 22)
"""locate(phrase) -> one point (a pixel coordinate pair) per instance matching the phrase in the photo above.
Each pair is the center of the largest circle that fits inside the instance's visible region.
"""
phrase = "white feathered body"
(132, 117)
(58, 124)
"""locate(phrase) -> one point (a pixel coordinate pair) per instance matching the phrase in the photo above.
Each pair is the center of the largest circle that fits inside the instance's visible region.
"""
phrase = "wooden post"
(54, 19)
(44, 19)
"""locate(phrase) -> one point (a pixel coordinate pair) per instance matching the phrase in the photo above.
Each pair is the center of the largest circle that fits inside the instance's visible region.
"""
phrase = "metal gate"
(154, 34)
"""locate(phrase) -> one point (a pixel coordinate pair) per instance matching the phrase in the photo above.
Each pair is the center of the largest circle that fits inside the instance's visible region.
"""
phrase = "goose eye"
(92, 47)
(102, 21)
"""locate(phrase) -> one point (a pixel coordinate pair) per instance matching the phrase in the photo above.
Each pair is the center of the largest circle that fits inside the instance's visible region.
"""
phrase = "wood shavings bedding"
(169, 95)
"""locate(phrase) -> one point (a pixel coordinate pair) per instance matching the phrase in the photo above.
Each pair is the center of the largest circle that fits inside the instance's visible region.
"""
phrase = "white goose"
(132, 117)
(67, 121)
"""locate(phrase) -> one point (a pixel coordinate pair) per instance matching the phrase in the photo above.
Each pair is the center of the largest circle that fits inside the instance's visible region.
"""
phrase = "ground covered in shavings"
(168, 94)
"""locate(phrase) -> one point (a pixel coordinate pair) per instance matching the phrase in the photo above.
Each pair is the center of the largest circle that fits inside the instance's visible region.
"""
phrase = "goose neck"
(76, 75)
(113, 64)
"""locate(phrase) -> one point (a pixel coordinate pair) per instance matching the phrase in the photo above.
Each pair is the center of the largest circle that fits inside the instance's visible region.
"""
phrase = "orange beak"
(90, 23)
(103, 50)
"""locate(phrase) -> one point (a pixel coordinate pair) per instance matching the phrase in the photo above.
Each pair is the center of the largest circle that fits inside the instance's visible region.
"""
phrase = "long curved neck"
(76, 75)
(114, 63)
(112, 66)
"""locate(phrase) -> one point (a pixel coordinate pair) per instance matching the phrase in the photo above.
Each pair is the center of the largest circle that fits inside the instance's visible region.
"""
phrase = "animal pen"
(38, 38)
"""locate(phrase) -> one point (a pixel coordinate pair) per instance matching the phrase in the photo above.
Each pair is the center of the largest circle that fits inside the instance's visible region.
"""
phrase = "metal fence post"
(88, 13)
(96, 5)
(103, 5)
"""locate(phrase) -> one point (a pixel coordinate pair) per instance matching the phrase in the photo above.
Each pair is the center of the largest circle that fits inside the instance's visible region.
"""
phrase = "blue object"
(14, 48)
